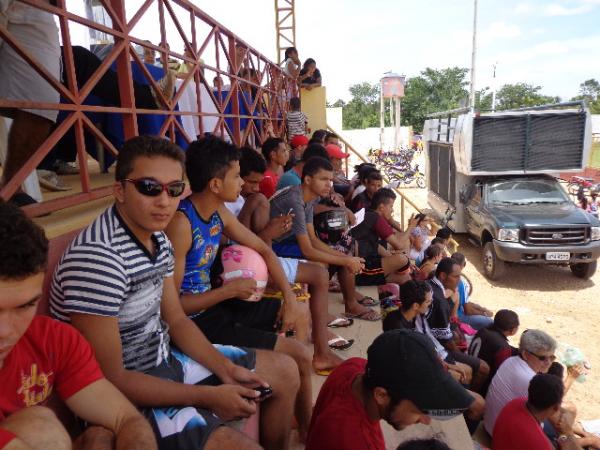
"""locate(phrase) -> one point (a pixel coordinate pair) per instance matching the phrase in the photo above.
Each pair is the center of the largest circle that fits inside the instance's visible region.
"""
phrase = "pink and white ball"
(245, 263)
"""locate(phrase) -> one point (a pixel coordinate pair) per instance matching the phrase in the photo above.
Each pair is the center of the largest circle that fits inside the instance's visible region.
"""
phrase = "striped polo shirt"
(107, 272)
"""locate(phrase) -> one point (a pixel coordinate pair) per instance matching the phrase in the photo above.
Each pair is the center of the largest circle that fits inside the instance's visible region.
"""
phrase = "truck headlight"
(595, 233)
(508, 234)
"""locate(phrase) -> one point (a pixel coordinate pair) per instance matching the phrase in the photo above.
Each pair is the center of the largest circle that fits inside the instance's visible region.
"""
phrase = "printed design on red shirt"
(36, 386)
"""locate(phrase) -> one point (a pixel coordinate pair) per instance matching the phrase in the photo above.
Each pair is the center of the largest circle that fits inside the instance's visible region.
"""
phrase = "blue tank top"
(206, 236)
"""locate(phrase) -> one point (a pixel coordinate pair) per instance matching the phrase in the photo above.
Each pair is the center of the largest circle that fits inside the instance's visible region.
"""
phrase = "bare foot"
(326, 361)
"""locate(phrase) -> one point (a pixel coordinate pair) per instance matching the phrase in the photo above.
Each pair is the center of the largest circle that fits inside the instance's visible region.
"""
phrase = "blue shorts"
(183, 428)
(287, 249)
(290, 267)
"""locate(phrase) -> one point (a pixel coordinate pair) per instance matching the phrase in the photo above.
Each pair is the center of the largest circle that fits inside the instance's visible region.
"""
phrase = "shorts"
(287, 249)
(37, 33)
(182, 428)
(290, 267)
(469, 360)
(240, 323)
(372, 274)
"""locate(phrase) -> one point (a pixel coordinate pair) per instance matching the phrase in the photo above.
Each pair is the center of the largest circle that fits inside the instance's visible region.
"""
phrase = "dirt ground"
(549, 298)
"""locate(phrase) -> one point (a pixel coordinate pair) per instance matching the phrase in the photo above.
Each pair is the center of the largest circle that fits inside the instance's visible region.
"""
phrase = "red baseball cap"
(299, 140)
(335, 152)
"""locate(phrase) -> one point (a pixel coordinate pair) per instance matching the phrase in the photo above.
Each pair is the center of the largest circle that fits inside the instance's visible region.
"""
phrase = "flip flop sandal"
(370, 316)
(368, 301)
(334, 287)
(340, 322)
(339, 343)
(323, 372)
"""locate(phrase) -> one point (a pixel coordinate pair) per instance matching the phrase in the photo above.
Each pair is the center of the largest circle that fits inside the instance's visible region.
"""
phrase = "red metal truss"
(264, 79)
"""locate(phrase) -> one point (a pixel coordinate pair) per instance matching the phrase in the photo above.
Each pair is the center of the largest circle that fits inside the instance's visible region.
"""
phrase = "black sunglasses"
(544, 358)
(152, 188)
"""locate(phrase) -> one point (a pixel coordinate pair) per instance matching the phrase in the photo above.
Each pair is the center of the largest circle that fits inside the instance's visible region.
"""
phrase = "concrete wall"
(313, 105)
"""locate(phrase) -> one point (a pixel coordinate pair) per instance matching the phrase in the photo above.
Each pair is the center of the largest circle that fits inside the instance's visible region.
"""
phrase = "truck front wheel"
(493, 267)
(584, 270)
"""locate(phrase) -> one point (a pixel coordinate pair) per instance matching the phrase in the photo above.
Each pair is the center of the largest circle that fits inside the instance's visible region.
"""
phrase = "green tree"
(483, 99)
(363, 110)
(589, 91)
(521, 95)
(433, 91)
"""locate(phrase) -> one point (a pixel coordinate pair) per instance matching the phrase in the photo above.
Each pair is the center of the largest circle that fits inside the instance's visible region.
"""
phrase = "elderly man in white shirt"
(536, 354)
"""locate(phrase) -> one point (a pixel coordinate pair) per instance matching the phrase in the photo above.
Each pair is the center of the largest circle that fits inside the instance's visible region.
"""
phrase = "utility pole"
(381, 114)
(494, 89)
(473, 58)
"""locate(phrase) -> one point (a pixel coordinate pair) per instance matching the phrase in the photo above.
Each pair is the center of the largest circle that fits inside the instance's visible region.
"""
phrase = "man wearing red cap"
(341, 185)
(298, 144)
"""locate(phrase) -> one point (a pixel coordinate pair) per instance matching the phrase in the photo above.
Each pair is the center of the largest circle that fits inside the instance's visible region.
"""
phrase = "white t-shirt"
(511, 381)
(236, 207)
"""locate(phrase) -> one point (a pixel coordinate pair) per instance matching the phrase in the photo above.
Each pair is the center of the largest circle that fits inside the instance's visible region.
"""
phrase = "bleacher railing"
(244, 112)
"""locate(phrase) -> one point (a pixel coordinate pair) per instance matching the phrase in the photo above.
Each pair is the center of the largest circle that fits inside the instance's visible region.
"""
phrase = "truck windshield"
(526, 192)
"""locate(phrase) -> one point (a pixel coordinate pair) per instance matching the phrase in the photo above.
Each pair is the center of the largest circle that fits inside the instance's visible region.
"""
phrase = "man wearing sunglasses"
(115, 284)
(536, 354)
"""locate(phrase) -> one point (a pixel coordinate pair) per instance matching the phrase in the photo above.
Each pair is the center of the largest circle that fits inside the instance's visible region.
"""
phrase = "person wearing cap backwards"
(402, 381)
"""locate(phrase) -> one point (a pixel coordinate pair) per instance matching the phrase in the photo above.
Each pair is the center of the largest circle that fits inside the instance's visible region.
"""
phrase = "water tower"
(392, 88)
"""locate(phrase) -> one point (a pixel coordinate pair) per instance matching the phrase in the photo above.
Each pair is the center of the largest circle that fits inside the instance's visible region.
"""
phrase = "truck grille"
(556, 236)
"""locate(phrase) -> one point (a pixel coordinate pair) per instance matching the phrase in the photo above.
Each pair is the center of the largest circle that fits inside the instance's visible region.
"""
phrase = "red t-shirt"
(339, 419)
(268, 185)
(517, 429)
(5, 437)
(50, 355)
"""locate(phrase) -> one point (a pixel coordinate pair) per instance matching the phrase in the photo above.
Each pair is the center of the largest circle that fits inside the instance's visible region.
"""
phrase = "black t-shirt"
(369, 232)
(361, 201)
(396, 321)
(490, 345)
(439, 314)
(314, 79)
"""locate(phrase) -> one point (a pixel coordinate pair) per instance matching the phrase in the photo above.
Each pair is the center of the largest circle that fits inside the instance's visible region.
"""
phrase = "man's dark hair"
(295, 104)
(423, 444)
(444, 233)
(373, 175)
(23, 244)
(208, 158)
(313, 165)
(289, 51)
(331, 135)
(438, 241)
(446, 265)
(413, 292)
(270, 145)
(506, 320)
(545, 391)
(382, 196)
(556, 369)
(313, 151)
(459, 258)
(319, 134)
(149, 147)
(251, 161)
(433, 251)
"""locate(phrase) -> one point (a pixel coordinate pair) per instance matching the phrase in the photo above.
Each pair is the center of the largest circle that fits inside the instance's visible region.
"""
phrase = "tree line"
(440, 90)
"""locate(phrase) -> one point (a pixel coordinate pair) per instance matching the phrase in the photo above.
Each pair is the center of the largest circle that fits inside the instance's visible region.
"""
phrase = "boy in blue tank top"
(212, 167)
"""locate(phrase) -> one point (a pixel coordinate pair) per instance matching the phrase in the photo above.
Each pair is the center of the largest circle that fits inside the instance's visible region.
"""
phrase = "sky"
(554, 44)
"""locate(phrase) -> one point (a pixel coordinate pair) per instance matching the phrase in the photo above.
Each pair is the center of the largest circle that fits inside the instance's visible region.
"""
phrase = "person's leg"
(255, 213)
(95, 438)
(303, 406)
(39, 428)
(282, 374)
(352, 307)
(317, 279)
(481, 370)
(27, 133)
(394, 267)
(225, 438)
(107, 88)
(477, 321)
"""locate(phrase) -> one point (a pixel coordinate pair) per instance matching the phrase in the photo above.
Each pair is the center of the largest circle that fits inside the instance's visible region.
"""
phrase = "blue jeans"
(477, 322)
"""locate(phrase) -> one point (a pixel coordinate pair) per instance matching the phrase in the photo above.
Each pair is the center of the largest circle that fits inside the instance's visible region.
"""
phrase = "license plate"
(558, 256)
